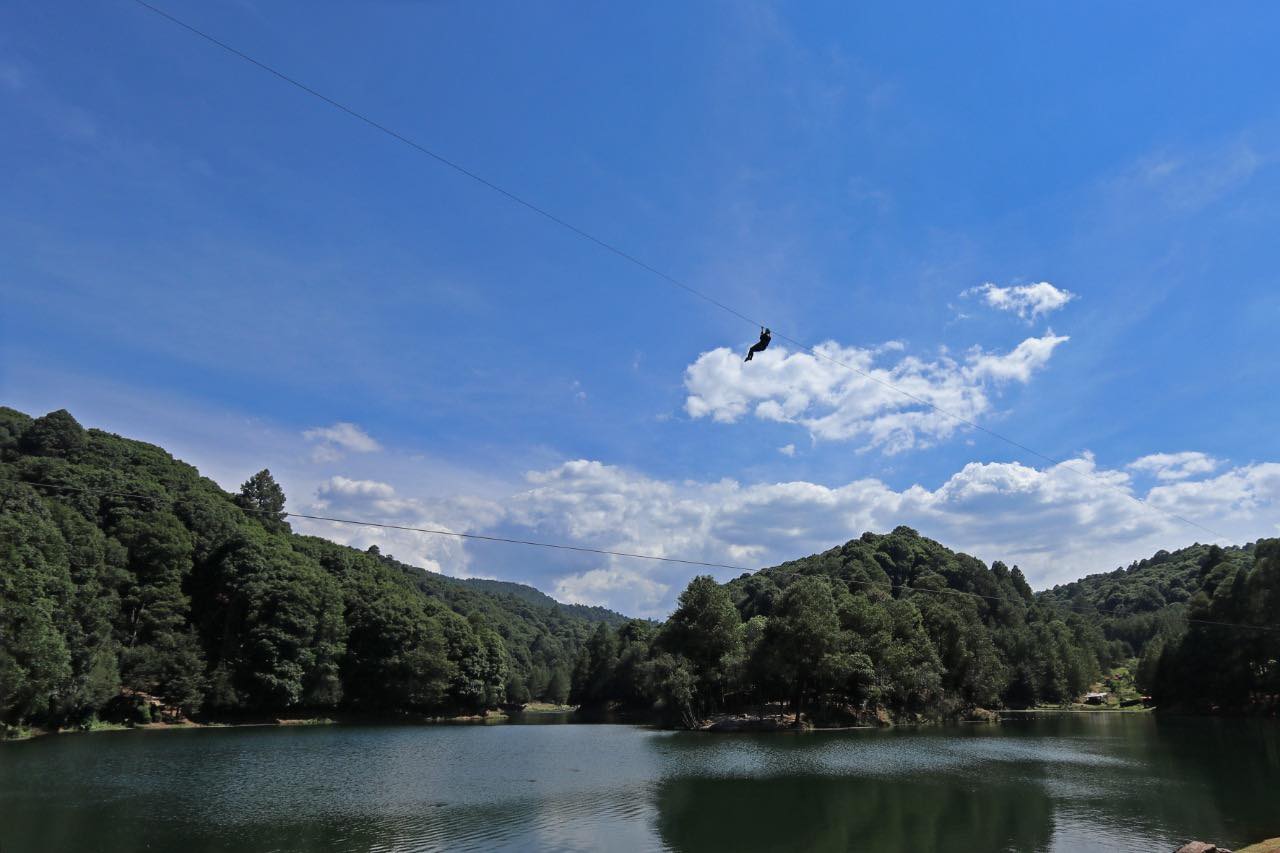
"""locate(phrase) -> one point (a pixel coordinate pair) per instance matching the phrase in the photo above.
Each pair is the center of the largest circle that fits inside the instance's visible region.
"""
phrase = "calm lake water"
(1061, 783)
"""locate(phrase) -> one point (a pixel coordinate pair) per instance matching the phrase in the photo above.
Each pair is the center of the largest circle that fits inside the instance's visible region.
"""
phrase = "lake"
(1046, 783)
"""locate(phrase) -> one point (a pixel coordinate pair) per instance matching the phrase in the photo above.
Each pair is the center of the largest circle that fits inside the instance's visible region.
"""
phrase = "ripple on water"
(1037, 786)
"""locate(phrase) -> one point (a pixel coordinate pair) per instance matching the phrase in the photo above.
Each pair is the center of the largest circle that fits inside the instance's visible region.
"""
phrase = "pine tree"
(262, 496)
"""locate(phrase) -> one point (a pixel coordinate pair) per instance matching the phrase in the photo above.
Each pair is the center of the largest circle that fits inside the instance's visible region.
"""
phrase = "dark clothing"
(761, 346)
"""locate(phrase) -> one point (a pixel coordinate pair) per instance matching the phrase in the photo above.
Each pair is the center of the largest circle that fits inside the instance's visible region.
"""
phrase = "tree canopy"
(135, 575)
(140, 576)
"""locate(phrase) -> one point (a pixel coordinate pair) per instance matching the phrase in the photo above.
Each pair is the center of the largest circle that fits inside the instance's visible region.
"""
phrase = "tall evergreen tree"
(262, 496)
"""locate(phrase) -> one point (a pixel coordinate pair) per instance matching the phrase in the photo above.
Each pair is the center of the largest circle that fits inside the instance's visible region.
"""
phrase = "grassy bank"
(547, 708)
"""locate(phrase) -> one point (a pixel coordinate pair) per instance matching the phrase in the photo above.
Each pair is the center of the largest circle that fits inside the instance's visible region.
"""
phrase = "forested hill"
(209, 601)
(882, 624)
(1146, 586)
(898, 623)
(1203, 622)
(1150, 597)
(537, 597)
(135, 575)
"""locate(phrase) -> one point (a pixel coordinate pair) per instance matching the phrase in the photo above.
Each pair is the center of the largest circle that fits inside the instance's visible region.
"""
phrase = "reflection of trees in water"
(1176, 778)
(842, 813)
(1224, 777)
(126, 827)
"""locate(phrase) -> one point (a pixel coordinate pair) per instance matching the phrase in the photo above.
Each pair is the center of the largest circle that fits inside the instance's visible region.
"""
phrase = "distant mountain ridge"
(1144, 586)
(538, 598)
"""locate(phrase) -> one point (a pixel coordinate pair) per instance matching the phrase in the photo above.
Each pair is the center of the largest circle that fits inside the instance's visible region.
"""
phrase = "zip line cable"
(557, 546)
(627, 256)
(580, 549)
(433, 531)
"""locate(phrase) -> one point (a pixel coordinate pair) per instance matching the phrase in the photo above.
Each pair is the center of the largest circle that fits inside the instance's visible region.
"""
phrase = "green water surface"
(1045, 783)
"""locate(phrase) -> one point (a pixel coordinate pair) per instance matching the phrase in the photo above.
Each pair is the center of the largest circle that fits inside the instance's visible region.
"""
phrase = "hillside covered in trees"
(1203, 622)
(537, 597)
(895, 623)
(127, 572)
(141, 575)
(900, 623)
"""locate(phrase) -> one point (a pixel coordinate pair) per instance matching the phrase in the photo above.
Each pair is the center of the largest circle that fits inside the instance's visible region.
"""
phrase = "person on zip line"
(761, 345)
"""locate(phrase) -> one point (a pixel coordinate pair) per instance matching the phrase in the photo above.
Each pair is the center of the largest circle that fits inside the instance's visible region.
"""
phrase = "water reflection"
(1042, 784)
(819, 814)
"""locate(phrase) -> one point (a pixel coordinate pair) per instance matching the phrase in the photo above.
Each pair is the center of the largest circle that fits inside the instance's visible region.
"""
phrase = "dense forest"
(141, 576)
(899, 623)
(123, 572)
(890, 624)
(1203, 622)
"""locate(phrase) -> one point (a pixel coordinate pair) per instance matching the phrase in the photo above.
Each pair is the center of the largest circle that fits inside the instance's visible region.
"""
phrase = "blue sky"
(193, 253)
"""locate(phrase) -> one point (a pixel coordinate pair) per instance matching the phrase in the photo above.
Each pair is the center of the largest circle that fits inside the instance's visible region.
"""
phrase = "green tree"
(35, 591)
(674, 687)
(276, 621)
(803, 632)
(262, 496)
(55, 434)
(396, 655)
(703, 629)
(593, 674)
(160, 654)
(558, 686)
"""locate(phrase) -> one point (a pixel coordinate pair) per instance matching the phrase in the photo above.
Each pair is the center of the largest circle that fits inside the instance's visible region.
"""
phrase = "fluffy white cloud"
(836, 403)
(617, 588)
(787, 450)
(335, 441)
(347, 488)
(371, 500)
(1241, 499)
(1028, 301)
(1057, 523)
(1176, 466)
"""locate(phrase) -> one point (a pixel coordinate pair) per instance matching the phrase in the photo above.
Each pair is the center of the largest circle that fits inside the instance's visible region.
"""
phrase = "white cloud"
(1055, 523)
(335, 441)
(1058, 523)
(375, 501)
(616, 588)
(1242, 496)
(787, 450)
(1028, 301)
(1176, 466)
(347, 488)
(839, 404)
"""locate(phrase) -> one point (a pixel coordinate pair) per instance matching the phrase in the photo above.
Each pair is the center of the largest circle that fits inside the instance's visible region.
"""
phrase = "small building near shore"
(1095, 698)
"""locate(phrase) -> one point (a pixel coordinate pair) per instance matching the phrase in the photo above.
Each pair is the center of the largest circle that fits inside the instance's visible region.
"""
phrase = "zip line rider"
(761, 345)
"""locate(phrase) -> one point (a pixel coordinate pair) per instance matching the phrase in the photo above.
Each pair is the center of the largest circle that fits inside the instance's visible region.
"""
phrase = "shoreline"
(727, 724)
(1077, 711)
(27, 733)
(329, 717)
